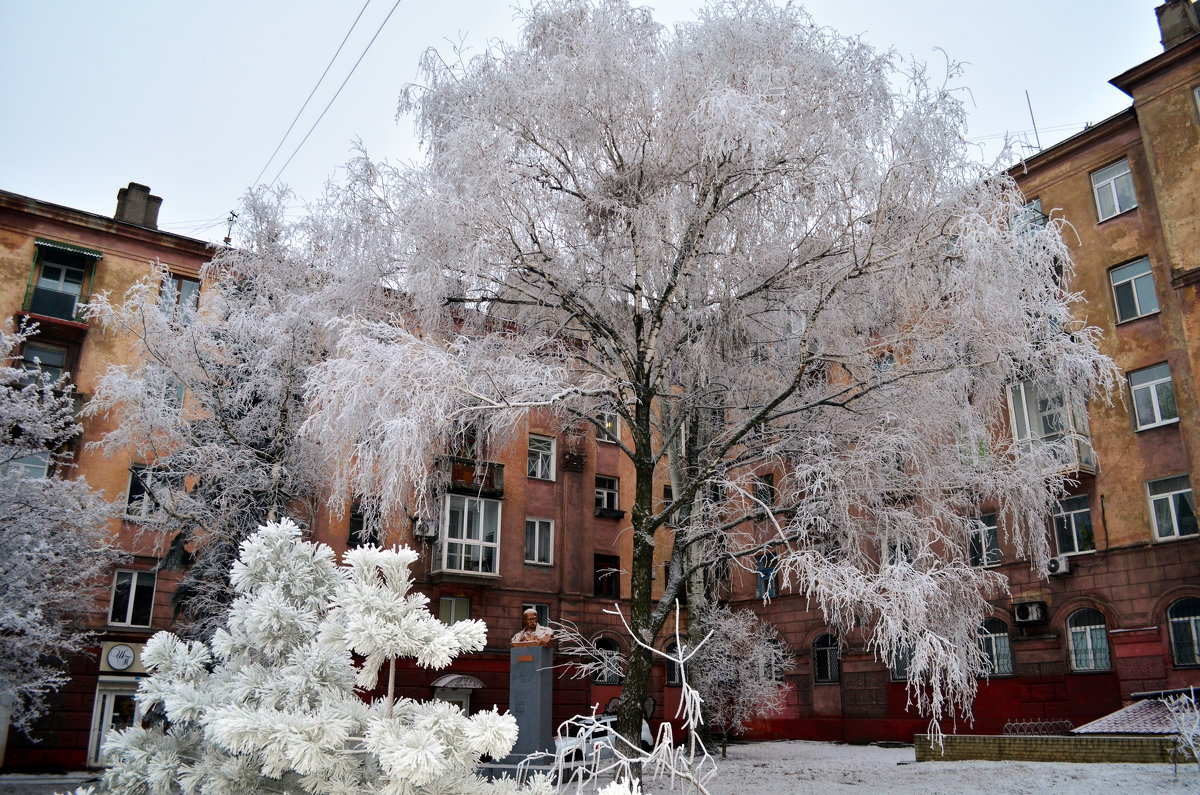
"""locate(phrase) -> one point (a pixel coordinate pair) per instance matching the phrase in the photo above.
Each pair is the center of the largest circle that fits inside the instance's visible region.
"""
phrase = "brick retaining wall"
(998, 748)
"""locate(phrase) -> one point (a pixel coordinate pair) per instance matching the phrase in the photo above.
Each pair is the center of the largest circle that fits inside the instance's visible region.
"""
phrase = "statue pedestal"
(530, 697)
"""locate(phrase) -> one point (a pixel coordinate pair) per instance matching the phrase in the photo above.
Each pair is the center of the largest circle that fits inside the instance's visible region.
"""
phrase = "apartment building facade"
(1119, 616)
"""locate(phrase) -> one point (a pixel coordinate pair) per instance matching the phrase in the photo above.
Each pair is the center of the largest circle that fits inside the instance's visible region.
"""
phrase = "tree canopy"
(769, 249)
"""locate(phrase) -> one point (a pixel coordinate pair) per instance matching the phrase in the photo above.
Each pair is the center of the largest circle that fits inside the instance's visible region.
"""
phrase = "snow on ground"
(780, 768)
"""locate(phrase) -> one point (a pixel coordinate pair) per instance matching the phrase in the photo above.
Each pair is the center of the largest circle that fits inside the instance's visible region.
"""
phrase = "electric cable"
(311, 93)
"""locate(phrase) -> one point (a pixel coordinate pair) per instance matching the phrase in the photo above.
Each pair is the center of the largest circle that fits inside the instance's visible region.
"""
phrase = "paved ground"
(14, 784)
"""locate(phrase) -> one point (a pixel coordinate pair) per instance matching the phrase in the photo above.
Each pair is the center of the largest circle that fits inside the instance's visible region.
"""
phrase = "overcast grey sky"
(191, 98)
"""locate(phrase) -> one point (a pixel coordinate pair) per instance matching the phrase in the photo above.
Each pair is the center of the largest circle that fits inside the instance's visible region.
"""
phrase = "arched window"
(826, 659)
(1183, 618)
(993, 642)
(673, 676)
(1089, 640)
(609, 655)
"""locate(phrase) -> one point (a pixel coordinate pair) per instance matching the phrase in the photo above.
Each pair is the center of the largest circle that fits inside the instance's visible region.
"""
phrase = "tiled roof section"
(1140, 717)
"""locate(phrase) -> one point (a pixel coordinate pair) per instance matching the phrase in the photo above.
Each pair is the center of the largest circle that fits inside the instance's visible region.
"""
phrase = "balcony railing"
(52, 303)
(469, 476)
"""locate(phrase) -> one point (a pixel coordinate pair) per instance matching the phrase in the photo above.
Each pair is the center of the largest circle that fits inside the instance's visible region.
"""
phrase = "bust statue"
(533, 633)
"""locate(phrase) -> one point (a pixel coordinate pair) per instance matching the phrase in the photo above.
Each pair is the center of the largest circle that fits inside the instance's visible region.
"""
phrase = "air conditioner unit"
(425, 528)
(1059, 565)
(1029, 612)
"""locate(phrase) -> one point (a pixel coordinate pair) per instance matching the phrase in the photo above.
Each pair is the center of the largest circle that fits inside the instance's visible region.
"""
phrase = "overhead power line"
(338, 92)
(310, 93)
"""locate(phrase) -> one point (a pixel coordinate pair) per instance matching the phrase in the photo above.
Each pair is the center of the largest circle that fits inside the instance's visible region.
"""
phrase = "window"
(41, 357)
(826, 659)
(1173, 507)
(668, 496)
(471, 541)
(1113, 186)
(607, 494)
(1088, 640)
(1030, 219)
(541, 458)
(1153, 398)
(1183, 619)
(452, 609)
(764, 489)
(1041, 415)
(360, 531)
(993, 643)
(770, 665)
(674, 675)
(1133, 290)
(609, 656)
(543, 612)
(1073, 526)
(607, 570)
(63, 275)
(539, 537)
(182, 295)
(609, 429)
(985, 542)
(148, 488)
(768, 576)
(132, 598)
(34, 466)
(901, 662)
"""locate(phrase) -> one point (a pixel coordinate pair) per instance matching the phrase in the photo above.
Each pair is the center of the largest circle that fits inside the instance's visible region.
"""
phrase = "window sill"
(1162, 424)
(832, 682)
(1176, 537)
(1078, 554)
(129, 627)
(541, 480)
(540, 564)
(1092, 671)
(610, 513)
(1129, 320)
(1103, 221)
(461, 576)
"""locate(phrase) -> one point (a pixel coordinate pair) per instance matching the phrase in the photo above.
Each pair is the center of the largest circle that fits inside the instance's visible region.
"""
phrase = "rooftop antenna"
(1036, 137)
(233, 217)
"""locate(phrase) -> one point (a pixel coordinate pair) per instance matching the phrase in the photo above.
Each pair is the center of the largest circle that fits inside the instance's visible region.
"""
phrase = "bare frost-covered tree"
(213, 400)
(766, 248)
(738, 673)
(54, 542)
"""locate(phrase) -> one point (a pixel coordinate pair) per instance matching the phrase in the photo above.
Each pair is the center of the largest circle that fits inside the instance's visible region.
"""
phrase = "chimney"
(1177, 22)
(136, 206)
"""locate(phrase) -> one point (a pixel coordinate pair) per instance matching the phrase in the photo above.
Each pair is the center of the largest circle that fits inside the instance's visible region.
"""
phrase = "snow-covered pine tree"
(270, 704)
(767, 249)
(54, 545)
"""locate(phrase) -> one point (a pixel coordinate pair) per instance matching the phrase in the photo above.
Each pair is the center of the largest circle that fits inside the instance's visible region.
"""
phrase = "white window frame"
(1085, 642)
(1105, 185)
(609, 428)
(108, 690)
(34, 466)
(543, 535)
(541, 460)
(608, 497)
(145, 507)
(470, 548)
(62, 284)
(1134, 276)
(1169, 493)
(185, 302)
(135, 578)
(452, 609)
(996, 647)
(1068, 513)
(1030, 412)
(1155, 382)
(1184, 629)
(984, 545)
